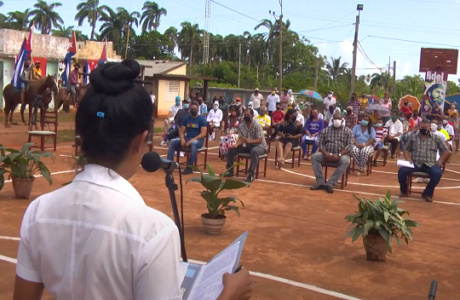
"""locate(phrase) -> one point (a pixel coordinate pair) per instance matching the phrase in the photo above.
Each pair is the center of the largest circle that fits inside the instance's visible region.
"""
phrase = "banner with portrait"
(435, 90)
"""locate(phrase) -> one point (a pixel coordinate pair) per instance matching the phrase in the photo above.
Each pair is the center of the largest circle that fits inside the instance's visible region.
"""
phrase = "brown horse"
(13, 97)
(63, 96)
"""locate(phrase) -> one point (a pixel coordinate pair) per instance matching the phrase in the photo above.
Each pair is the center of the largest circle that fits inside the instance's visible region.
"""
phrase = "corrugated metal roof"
(159, 66)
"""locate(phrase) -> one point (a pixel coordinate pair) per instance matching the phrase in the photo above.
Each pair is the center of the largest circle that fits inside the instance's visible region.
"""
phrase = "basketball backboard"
(434, 59)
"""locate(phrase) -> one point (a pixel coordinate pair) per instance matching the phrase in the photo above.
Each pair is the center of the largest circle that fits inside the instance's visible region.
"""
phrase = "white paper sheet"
(208, 285)
(183, 266)
(404, 163)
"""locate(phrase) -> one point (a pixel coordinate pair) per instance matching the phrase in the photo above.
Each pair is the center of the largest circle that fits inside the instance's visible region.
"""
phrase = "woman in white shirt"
(96, 238)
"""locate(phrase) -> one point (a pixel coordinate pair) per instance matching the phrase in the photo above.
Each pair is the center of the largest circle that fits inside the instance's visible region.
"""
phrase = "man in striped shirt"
(354, 103)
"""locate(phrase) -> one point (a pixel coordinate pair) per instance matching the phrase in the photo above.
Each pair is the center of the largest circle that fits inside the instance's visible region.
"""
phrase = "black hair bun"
(115, 78)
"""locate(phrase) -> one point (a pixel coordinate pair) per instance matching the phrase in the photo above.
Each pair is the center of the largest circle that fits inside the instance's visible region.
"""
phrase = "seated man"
(214, 118)
(191, 134)
(395, 130)
(169, 121)
(379, 146)
(264, 119)
(290, 131)
(421, 150)
(277, 117)
(250, 140)
(334, 147)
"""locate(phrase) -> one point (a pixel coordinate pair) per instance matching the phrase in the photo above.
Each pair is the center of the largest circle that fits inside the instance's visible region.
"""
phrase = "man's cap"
(77, 65)
(178, 98)
(238, 99)
(257, 89)
(37, 63)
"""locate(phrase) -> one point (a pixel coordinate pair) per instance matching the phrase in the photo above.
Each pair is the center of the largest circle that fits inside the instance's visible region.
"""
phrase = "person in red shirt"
(277, 117)
(406, 108)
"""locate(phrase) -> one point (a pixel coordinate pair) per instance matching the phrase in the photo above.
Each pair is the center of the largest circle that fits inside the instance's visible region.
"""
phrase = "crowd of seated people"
(336, 137)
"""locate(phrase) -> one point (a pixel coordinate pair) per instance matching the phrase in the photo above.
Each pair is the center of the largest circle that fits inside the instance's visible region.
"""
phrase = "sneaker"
(181, 154)
(318, 187)
(250, 178)
(329, 188)
(187, 171)
(418, 180)
(163, 144)
(228, 174)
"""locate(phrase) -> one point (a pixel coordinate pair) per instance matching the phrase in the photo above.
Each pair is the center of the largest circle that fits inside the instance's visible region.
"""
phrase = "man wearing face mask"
(421, 150)
(272, 99)
(277, 116)
(328, 101)
(251, 140)
(169, 121)
(395, 130)
(191, 135)
(251, 106)
(256, 99)
(335, 143)
(263, 119)
(351, 119)
(214, 119)
(202, 107)
(449, 128)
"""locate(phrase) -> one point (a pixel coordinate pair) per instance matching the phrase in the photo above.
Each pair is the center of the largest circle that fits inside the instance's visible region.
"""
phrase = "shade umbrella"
(410, 99)
(311, 94)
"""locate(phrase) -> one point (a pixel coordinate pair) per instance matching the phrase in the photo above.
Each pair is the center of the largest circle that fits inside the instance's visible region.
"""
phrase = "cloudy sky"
(392, 28)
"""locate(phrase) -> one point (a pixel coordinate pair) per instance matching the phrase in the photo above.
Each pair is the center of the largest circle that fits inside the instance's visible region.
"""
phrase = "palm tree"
(334, 68)
(189, 40)
(380, 80)
(117, 24)
(45, 17)
(171, 34)
(90, 11)
(151, 15)
(63, 31)
(18, 20)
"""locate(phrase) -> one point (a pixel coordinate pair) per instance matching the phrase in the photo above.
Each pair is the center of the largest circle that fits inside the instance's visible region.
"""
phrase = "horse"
(63, 96)
(13, 97)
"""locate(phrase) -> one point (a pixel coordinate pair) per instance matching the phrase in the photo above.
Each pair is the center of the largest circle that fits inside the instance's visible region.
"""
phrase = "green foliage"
(23, 164)
(214, 185)
(384, 217)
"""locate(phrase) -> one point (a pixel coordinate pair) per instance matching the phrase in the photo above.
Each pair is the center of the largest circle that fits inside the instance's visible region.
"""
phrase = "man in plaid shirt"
(421, 149)
(335, 144)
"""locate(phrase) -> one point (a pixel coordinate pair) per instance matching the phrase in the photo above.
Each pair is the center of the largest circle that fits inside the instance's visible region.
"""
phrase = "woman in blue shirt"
(363, 139)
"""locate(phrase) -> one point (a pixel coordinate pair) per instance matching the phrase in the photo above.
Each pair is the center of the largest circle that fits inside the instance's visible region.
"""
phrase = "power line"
(235, 11)
(409, 41)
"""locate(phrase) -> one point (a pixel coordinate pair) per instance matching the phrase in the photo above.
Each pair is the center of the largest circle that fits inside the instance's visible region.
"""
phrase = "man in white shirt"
(449, 128)
(395, 130)
(272, 99)
(214, 118)
(256, 98)
(291, 98)
(251, 106)
(170, 118)
(328, 101)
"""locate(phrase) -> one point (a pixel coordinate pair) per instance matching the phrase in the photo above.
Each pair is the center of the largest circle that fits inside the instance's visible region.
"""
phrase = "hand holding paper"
(404, 163)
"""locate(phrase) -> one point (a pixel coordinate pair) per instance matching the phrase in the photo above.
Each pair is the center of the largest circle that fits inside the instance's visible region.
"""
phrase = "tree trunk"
(191, 53)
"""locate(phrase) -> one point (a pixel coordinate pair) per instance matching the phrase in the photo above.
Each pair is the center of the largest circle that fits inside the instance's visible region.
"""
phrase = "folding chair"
(344, 180)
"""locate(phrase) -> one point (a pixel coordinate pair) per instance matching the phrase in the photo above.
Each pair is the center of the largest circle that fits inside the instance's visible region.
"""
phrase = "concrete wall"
(93, 50)
(179, 71)
(166, 96)
(7, 71)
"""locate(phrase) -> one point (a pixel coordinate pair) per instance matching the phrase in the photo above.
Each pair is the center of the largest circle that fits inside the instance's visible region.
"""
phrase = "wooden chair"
(268, 139)
(369, 164)
(410, 177)
(294, 150)
(49, 120)
(246, 157)
(344, 180)
(202, 149)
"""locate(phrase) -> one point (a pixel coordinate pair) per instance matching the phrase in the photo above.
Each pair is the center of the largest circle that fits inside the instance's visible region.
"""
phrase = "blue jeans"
(174, 146)
(435, 173)
(173, 126)
(309, 142)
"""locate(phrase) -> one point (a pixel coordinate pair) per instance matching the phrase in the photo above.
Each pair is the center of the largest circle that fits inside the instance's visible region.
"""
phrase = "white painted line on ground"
(257, 274)
(55, 173)
(9, 238)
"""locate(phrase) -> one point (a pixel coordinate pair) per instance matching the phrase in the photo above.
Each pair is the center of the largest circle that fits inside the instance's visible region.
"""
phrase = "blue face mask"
(177, 103)
(364, 122)
(401, 119)
(185, 106)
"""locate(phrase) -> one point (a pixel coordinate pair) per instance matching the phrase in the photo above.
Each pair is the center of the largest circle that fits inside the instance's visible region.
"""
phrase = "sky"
(394, 30)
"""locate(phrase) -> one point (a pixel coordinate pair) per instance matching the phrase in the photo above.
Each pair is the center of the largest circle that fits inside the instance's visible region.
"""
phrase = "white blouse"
(96, 239)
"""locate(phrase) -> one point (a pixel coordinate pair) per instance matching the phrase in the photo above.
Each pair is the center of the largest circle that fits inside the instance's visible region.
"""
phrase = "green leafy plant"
(22, 164)
(384, 217)
(214, 185)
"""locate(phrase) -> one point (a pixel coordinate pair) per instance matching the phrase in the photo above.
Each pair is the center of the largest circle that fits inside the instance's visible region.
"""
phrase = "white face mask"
(238, 103)
(337, 123)
(433, 127)
(329, 96)
(445, 122)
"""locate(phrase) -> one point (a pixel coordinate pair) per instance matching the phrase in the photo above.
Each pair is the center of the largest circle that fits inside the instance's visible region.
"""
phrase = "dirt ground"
(294, 234)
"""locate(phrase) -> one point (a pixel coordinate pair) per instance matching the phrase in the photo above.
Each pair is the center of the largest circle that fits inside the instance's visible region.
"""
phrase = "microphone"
(433, 289)
(151, 162)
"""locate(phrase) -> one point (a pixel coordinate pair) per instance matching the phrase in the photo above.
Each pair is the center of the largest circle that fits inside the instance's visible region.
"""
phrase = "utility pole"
(355, 49)
(127, 41)
(389, 76)
(316, 73)
(239, 64)
(394, 78)
(280, 23)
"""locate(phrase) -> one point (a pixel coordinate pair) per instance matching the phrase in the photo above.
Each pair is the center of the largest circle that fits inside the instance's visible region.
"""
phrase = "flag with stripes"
(68, 59)
(90, 65)
(19, 66)
(103, 58)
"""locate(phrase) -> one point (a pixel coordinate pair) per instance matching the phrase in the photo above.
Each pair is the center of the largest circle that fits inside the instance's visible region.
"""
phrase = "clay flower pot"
(376, 247)
(22, 187)
(213, 226)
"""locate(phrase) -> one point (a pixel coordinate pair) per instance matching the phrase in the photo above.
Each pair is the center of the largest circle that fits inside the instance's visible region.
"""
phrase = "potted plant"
(215, 218)
(378, 222)
(21, 166)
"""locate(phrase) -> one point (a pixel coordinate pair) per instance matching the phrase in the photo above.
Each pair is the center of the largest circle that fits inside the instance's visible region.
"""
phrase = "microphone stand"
(172, 188)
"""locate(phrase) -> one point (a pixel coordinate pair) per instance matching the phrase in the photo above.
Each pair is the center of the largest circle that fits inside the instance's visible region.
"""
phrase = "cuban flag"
(24, 53)
(103, 58)
(68, 59)
(90, 65)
